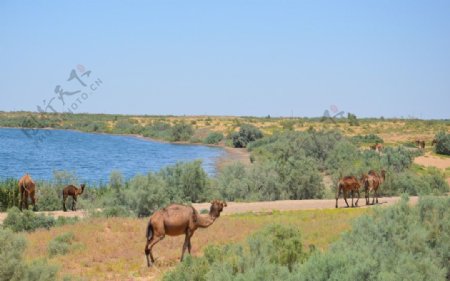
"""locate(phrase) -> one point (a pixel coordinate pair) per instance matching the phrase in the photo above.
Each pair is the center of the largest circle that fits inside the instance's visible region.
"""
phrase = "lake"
(92, 157)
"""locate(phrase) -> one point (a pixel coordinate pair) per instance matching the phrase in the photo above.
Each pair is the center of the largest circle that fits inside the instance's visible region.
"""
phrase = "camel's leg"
(345, 197)
(357, 191)
(366, 191)
(187, 241)
(338, 192)
(26, 200)
(64, 203)
(74, 202)
(373, 199)
(376, 192)
(21, 199)
(352, 192)
(149, 246)
(189, 244)
(33, 200)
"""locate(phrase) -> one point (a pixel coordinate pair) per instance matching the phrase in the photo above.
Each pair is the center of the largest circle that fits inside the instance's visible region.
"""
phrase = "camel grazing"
(433, 142)
(372, 182)
(420, 144)
(73, 191)
(27, 188)
(377, 147)
(175, 220)
(346, 184)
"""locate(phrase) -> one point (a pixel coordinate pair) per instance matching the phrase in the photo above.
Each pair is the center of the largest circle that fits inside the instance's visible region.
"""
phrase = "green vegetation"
(61, 244)
(213, 138)
(12, 265)
(366, 139)
(443, 143)
(29, 221)
(395, 243)
(247, 133)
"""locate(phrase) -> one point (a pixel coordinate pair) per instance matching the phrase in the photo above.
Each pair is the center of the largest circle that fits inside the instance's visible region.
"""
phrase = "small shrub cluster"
(366, 139)
(29, 221)
(61, 244)
(213, 138)
(247, 133)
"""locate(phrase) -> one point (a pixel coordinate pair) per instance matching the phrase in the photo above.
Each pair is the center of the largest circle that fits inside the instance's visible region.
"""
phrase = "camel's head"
(82, 187)
(217, 207)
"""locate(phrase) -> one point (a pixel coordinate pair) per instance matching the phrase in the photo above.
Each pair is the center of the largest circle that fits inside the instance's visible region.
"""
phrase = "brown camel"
(346, 184)
(372, 182)
(420, 144)
(433, 142)
(377, 147)
(73, 191)
(175, 220)
(27, 188)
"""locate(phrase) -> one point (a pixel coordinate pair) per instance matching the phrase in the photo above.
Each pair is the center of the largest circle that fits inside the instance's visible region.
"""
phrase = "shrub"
(213, 138)
(185, 181)
(247, 133)
(352, 120)
(12, 265)
(26, 220)
(146, 194)
(181, 132)
(9, 194)
(61, 244)
(443, 143)
(367, 139)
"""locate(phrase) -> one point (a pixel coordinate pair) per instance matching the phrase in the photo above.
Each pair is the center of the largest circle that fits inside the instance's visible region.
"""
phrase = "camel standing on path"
(420, 144)
(346, 184)
(73, 191)
(372, 182)
(27, 188)
(175, 220)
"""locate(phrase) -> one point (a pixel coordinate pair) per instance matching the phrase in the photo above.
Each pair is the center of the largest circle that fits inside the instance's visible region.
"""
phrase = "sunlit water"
(92, 157)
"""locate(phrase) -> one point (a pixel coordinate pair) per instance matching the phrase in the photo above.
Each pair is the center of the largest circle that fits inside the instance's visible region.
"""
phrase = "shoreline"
(231, 154)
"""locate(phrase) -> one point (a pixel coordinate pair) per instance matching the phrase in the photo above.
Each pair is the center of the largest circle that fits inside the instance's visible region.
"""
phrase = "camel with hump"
(73, 191)
(27, 189)
(348, 184)
(371, 183)
(175, 220)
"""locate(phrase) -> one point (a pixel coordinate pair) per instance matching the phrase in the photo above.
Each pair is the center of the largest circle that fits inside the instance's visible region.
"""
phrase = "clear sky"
(372, 58)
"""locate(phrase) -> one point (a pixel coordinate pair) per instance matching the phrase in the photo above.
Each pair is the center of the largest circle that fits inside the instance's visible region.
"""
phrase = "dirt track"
(259, 207)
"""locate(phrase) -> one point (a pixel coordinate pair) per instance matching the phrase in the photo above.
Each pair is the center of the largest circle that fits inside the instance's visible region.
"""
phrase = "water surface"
(92, 157)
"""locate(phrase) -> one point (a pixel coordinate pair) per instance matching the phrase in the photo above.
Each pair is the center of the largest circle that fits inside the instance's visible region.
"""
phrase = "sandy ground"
(259, 207)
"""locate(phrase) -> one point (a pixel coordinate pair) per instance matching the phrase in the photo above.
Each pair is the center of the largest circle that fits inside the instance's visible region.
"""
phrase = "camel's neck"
(205, 220)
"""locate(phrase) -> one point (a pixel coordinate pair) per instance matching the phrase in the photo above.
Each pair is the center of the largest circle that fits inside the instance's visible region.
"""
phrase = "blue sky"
(371, 58)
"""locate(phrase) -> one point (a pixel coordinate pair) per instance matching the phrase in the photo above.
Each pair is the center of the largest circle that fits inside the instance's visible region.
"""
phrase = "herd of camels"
(177, 219)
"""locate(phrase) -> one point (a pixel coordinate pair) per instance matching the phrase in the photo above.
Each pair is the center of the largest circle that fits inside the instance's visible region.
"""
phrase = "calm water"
(92, 157)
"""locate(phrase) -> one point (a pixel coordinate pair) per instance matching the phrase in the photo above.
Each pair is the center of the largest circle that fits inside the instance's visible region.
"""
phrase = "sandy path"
(258, 207)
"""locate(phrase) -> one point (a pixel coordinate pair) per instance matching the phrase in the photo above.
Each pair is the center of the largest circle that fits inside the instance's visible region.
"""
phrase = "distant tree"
(352, 120)
(247, 133)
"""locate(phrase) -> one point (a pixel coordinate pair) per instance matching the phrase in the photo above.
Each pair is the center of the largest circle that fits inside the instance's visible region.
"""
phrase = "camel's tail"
(149, 231)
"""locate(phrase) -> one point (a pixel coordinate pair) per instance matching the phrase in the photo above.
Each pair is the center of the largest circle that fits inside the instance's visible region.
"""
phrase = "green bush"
(367, 139)
(247, 133)
(181, 132)
(26, 220)
(213, 138)
(9, 194)
(12, 265)
(61, 244)
(352, 120)
(443, 143)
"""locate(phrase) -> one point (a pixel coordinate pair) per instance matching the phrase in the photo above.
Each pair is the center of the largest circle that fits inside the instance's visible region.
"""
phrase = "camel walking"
(73, 191)
(420, 144)
(175, 220)
(348, 184)
(27, 188)
(372, 182)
